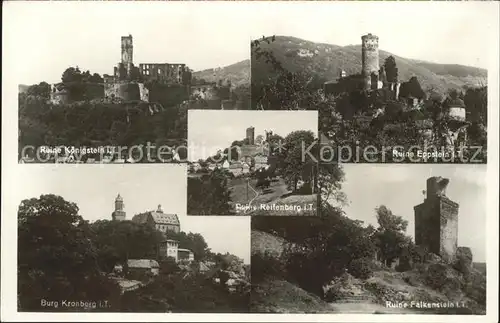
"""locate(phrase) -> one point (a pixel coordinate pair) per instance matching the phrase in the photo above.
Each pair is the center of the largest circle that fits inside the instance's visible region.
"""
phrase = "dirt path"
(256, 196)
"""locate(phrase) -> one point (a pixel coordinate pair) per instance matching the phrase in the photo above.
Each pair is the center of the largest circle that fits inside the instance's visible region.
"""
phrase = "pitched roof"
(456, 103)
(142, 263)
(163, 218)
(158, 217)
(204, 267)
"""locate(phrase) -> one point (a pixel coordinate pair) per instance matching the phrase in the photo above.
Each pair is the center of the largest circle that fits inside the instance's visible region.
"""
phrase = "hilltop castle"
(382, 82)
(161, 72)
(162, 222)
(373, 76)
(171, 81)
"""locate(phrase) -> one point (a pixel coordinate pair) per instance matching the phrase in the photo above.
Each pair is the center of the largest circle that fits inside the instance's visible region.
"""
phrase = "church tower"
(118, 214)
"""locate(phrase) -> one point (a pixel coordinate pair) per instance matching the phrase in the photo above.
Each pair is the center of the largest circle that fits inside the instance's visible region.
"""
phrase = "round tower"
(369, 59)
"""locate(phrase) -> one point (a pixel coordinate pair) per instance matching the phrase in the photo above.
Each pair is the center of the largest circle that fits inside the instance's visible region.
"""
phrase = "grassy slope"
(279, 296)
(263, 242)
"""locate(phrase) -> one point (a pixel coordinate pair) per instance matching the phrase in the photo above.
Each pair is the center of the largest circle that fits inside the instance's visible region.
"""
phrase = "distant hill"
(23, 88)
(238, 73)
(326, 60)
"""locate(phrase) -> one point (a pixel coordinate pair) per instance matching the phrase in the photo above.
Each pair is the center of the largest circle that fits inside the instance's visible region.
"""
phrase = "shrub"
(265, 265)
(436, 275)
(405, 264)
(361, 268)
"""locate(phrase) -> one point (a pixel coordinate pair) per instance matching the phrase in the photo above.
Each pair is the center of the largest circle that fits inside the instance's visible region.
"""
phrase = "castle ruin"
(369, 61)
(373, 77)
(169, 83)
(436, 221)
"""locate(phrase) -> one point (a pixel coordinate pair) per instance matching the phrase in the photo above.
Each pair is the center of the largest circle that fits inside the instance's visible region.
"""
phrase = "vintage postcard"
(396, 239)
(237, 161)
(385, 90)
(121, 242)
(252, 163)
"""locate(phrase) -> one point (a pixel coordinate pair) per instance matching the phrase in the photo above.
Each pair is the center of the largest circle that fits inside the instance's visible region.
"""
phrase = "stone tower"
(127, 50)
(251, 135)
(436, 220)
(369, 59)
(118, 214)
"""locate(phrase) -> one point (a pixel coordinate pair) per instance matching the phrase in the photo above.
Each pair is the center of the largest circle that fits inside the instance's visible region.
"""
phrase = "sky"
(94, 189)
(399, 187)
(44, 38)
(211, 130)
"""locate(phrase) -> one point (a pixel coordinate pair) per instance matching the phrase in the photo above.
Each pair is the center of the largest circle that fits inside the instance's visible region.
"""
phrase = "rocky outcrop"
(463, 260)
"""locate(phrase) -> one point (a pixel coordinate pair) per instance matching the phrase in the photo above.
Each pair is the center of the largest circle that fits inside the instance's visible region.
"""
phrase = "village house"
(142, 269)
(169, 248)
(260, 161)
(185, 254)
(239, 168)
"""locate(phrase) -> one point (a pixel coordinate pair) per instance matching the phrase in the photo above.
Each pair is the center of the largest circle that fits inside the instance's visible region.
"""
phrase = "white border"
(11, 184)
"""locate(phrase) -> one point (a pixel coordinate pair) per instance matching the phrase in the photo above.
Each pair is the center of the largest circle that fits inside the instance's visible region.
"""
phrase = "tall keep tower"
(251, 135)
(118, 214)
(436, 220)
(127, 50)
(369, 59)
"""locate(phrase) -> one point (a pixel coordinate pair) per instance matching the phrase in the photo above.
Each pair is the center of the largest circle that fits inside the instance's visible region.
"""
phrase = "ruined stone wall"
(59, 97)
(448, 228)
(93, 91)
(124, 91)
(217, 104)
(369, 58)
(143, 92)
(214, 104)
(206, 91)
(165, 73)
(168, 94)
(228, 105)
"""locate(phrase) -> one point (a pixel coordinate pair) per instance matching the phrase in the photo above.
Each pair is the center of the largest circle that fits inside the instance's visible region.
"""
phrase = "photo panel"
(252, 163)
(116, 238)
(403, 239)
(126, 101)
(380, 97)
